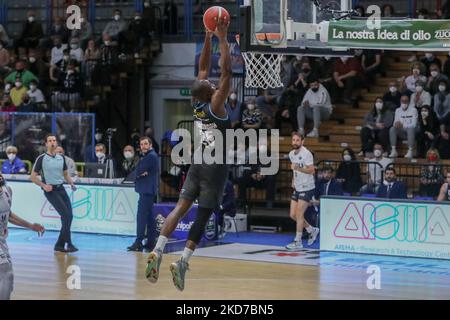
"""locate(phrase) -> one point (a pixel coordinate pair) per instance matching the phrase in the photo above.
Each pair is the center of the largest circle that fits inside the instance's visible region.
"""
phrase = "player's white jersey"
(304, 158)
(5, 210)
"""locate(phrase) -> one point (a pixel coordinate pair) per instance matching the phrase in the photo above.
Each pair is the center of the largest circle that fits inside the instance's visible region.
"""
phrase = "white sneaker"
(409, 155)
(313, 236)
(313, 134)
(393, 154)
(295, 245)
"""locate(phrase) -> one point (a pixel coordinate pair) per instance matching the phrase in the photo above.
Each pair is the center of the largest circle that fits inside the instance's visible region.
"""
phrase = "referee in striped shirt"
(52, 168)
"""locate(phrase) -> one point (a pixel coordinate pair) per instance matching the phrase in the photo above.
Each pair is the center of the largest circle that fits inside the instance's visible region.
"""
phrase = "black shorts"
(304, 196)
(205, 183)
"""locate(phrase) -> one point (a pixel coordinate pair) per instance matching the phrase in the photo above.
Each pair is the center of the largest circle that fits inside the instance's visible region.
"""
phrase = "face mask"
(70, 72)
(128, 155)
(434, 73)
(8, 87)
(18, 84)
(233, 96)
(379, 105)
(146, 4)
(98, 136)
(30, 19)
(416, 71)
(315, 89)
(137, 18)
(107, 43)
(117, 17)
(11, 156)
(251, 107)
(32, 87)
(32, 59)
(66, 58)
(429, 56)
(404, 106)
(100, 155)
(377, 153)
(424, 114)
(393, 89)
(74, 46)
(419, 88)
(442, 88)
(347, 157)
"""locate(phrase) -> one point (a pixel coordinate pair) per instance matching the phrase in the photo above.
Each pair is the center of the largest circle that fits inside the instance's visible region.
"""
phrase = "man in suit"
(146, 184)
(391, 188)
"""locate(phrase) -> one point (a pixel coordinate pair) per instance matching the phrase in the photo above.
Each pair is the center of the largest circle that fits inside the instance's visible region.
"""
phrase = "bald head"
(202, 90)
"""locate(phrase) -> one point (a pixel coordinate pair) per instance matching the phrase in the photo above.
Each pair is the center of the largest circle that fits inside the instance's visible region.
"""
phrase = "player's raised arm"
(204, 64)
(221, 95)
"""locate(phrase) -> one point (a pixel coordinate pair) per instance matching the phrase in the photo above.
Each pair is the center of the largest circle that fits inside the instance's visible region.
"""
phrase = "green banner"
(391, 34)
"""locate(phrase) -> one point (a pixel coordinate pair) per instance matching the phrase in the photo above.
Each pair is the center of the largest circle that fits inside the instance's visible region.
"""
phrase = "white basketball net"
(262, 70)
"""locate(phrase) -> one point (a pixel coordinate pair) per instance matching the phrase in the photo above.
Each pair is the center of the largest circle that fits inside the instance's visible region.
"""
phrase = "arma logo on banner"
(391, 228)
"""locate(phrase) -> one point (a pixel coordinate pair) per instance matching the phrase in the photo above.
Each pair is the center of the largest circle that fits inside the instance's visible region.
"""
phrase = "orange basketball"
(212, 16)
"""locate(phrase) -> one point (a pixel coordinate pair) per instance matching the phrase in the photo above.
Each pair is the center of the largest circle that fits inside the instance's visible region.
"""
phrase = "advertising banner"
(410, 229)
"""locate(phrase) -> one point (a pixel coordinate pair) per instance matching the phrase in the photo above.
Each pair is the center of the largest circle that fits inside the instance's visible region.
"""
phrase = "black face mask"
(315, 89)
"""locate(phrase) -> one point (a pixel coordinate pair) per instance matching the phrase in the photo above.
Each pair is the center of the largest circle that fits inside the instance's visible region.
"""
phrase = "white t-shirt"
(302, 181)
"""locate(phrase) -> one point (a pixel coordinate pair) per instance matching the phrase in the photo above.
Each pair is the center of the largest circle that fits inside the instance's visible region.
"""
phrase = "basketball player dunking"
(204, 181)
(302, 164)
(6, 215)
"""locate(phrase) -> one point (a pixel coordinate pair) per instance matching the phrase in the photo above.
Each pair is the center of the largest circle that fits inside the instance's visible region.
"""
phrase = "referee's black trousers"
(59, 199)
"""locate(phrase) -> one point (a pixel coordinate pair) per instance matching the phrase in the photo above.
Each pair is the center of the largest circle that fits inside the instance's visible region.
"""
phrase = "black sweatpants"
(59, 199)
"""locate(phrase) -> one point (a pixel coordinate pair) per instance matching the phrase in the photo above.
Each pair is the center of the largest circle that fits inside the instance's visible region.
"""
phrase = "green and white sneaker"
(153, 263)
(178, 270)
(313, 236)
(295, 245)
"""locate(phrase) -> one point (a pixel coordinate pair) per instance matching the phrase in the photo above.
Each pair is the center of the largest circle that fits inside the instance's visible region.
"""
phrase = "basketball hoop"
(262, 70)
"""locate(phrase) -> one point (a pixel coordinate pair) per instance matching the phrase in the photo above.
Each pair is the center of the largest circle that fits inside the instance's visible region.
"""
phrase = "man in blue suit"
(146, 184)
(391, 188)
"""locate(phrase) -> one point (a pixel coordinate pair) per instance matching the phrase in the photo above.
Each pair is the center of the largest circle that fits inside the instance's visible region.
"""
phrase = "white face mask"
(32, 87)
(233, 96)
(379, 105)
(393, 89)
(137, 18)
(442, 88)
(117, 17)
(107, 43)
(428, 55)
(100, 155)
(377, 153)
(128, 155)
(146, 4)
(424, 114)
(347, 157)
(419, 89)
(30, 19)
(404, 106)
(18, 84)
(74, 46)
(11, 156)
(32, 59)
(434, 73)
(251, 107)
(98, 136)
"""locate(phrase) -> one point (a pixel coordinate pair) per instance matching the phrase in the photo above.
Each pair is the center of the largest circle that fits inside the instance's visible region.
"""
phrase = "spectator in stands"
(316, 106)
(4, 59)
(420, 97)
(7, 105)
(287, 111)
(71, 166)
(251, 117)
(377, 124)
(254, 179)
(391, 99)
(140, 33)
(32, 33)
(443, 141)
(375, 170)
(391, 188)
(130, 161)
(371, 64)
(327, 186)
(116, 27)
(347, 77)
(7, 89)
(39, 68)
(35, 93)
(405, 124)
(435, 79)
(359, 10)
(428, 129)
(409, 82)
(92, 51)
(100, 153)
(304, 70)
(444, 193)
(57, 53)
(228, 207)
(89, 152)
(268, 101)
(387, 11)
(84, 34)
(149, 132)
(349, 173)
(76, 53)
(18, 91)
(58, 30)
(234, 109)
(26, 105)
(20, 71)
(442, 103)
(429, 60)
(431, 177)
(71, 87)
(324, 68)
(14, 164)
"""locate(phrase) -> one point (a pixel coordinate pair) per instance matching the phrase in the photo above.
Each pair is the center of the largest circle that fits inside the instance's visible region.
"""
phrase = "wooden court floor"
(41, 274)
